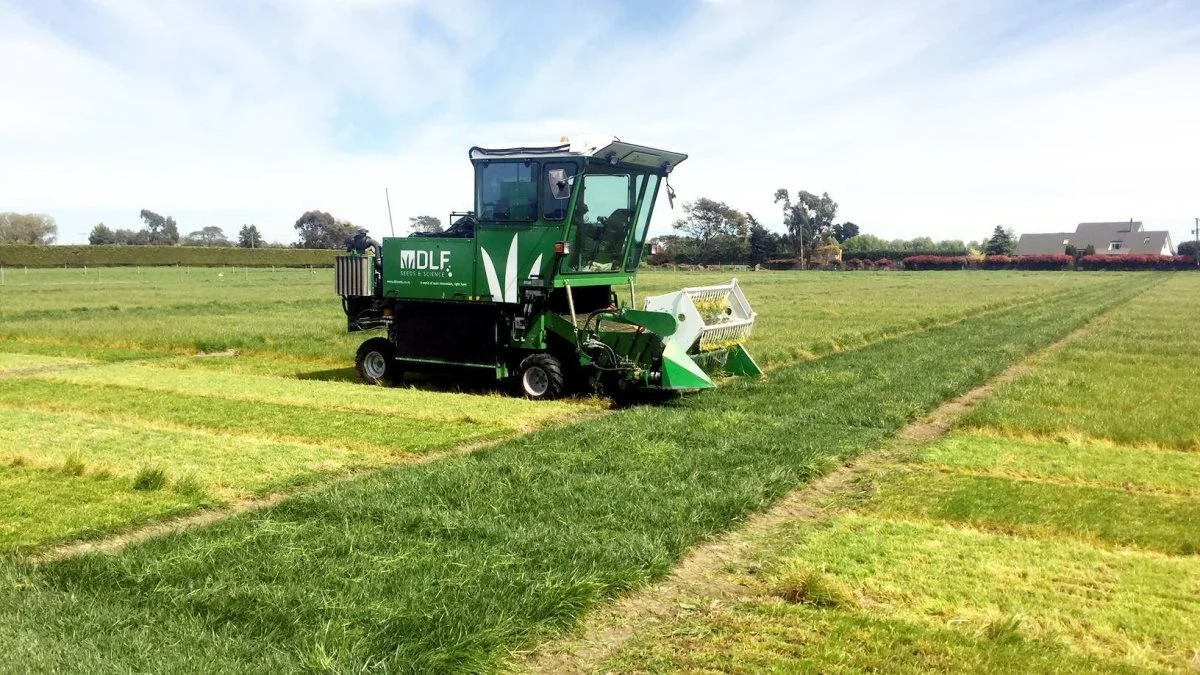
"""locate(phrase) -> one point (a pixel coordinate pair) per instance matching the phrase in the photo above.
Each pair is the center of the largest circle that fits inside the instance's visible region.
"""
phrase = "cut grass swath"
(498, 409)
(389, 435)
(45, 505)
(1069, 460)
(1108, 516)
(1130, 381)
(963, 600)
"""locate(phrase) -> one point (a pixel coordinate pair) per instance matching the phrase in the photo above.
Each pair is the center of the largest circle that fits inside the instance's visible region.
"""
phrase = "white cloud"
(927, 117)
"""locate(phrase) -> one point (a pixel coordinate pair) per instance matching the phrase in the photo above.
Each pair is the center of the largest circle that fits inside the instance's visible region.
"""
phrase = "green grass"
(1131, 381)
(37, 506)
(1069, 460)
(449, 566)
(768, 636)
(393, 435)
(986, 552)
(12, 363)
(1110, 516)
(294, 313)
(932, 597)
(498, 409)
(230, 466)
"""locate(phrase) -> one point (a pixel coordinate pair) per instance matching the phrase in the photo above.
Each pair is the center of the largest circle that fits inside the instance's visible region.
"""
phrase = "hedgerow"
(1054, 262)
(152, 256)
(1137, 262)
(885, 254)
(935, 262)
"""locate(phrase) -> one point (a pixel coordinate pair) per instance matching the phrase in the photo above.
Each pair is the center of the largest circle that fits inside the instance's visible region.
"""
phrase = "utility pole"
(1196, 251)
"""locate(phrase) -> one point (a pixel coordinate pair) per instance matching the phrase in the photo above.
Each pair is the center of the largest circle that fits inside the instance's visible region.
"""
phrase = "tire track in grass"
(698, 575)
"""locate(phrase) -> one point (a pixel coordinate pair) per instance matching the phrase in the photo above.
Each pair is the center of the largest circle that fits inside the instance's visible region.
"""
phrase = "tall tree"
(27, 228)
(808, 219)
(718, 229)
(207, 236)
(844, 231)
(162, 231)
(425, 224)
(1002, 242)
(705, 218)
(763, 243)
(249, 237)
(101, 235)
(318, 229)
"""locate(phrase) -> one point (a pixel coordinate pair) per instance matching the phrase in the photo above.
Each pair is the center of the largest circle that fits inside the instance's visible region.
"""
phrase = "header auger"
(525, 286)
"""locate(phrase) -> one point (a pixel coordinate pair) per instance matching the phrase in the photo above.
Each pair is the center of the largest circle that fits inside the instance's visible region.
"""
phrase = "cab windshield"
(610, 220)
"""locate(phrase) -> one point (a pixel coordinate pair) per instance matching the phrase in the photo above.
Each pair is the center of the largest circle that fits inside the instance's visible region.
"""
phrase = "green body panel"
(562, 280)
(679, 371)
(429, 268)
(659, 323)
(741, 363)
(509, 254)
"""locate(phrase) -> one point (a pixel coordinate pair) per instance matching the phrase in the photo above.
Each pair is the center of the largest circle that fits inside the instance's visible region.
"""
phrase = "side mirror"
(560, 185)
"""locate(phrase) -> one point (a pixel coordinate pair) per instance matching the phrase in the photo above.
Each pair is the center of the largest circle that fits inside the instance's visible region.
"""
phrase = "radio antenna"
(389, 203)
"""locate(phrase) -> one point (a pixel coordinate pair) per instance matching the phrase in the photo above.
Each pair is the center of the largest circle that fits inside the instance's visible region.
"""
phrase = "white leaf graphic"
(537, 267)
(510, 273)
(489, 269)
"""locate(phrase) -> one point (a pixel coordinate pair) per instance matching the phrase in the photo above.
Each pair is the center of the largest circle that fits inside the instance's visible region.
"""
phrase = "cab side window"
(508, 191)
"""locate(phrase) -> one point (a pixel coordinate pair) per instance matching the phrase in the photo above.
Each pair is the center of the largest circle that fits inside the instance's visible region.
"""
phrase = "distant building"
(1123, 238)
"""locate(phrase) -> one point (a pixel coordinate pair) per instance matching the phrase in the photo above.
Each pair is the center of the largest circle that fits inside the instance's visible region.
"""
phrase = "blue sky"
(927, 117)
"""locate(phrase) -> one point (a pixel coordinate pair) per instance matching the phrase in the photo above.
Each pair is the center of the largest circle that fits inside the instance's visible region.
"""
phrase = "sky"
(940, 118)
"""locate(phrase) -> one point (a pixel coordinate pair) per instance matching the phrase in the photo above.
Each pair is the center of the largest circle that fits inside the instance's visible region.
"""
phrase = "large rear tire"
(540, 377)
(376, 362)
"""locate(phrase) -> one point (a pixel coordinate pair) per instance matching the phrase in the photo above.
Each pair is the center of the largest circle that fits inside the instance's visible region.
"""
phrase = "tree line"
(314, 230)
(713, 232)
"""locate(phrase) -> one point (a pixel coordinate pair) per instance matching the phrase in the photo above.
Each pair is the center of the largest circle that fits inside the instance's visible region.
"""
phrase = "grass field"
(1056, 530)
(110, 418)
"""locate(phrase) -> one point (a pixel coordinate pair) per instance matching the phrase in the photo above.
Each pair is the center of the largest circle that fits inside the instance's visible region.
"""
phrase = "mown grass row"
(498, 409)
(73, 499)
(1132, 382)
(449, 566)
(987, 553)
(856, 593)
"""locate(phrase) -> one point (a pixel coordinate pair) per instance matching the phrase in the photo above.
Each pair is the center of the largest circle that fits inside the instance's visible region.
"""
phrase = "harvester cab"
(537, 285)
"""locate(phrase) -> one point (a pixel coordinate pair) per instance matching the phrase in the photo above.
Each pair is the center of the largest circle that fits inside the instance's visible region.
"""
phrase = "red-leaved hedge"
(1137, 262)
(935, 262)
(1057, 261)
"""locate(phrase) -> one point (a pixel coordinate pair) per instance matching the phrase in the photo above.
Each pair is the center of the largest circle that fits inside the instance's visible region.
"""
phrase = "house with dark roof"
(1116, 238)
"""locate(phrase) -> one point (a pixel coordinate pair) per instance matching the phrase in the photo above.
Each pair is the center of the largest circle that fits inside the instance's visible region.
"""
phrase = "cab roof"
(616, 152)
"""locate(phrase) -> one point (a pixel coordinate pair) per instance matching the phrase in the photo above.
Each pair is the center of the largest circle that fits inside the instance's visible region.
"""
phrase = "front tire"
(376, 362)
(540, 377)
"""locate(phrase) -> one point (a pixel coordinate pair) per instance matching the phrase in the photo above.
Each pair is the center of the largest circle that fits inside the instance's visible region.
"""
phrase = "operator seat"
(612, 237)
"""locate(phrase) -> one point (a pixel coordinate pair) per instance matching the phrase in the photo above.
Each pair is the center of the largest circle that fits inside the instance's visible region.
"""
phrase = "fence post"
(1, 275)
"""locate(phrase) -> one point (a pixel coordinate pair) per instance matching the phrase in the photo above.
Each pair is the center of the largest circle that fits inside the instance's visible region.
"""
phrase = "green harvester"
(527, 286)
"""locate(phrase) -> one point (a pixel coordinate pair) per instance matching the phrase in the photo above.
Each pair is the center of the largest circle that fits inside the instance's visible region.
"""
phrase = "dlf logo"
(424, 260)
